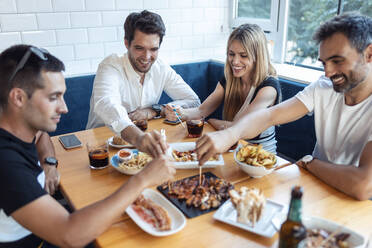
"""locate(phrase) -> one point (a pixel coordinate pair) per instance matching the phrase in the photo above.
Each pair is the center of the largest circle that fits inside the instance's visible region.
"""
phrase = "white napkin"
(169, 150)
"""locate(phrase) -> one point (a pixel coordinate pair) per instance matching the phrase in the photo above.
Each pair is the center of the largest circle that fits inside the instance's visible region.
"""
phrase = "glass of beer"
(98, 155)
(141, 124)
(195, 128)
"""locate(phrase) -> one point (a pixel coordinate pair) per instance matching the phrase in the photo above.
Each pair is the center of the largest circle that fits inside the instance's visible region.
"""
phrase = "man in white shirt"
(127, 88)
(342, 106)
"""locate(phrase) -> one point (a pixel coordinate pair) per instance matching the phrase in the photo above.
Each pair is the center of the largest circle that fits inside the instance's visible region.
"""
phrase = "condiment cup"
(124, 155)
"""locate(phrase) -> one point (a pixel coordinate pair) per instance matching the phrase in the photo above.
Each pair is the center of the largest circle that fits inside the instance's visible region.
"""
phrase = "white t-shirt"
(117, 91)
(342, 131)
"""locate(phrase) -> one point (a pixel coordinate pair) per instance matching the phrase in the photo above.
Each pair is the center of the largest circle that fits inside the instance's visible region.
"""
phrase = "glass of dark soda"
(98, 155)
(141, 124)
(195, 128)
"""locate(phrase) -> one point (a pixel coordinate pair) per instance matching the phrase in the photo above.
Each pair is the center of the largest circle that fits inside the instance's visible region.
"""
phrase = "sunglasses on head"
(39, 52)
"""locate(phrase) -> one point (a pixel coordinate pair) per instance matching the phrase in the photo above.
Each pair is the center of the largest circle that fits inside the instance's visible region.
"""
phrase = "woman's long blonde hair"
(254, 41)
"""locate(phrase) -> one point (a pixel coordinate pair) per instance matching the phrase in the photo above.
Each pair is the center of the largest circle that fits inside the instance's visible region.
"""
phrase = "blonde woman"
(249, 84)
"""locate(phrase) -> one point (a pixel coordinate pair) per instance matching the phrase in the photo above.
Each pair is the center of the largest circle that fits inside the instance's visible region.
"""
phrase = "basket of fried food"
(249, 204)
(135, 164)
(254, 160)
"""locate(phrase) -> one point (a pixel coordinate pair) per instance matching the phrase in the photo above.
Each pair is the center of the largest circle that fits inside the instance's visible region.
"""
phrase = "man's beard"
(355, 77)
(347, 85)
(136, 67)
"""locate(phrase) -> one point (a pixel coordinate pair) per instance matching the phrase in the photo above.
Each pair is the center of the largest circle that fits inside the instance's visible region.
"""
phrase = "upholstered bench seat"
(294, 139)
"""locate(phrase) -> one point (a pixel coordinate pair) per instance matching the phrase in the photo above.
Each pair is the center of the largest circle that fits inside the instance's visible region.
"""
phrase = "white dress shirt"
(117, 91)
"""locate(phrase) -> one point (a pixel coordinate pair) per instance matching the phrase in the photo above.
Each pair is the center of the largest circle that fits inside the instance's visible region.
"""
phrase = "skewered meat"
(208, 194)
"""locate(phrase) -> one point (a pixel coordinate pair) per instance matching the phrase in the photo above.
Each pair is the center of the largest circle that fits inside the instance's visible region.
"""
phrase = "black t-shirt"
(267, 135)
(269, 81)
(19, 185)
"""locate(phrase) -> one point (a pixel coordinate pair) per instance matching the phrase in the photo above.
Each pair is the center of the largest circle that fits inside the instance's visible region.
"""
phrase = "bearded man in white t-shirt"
(342, 105)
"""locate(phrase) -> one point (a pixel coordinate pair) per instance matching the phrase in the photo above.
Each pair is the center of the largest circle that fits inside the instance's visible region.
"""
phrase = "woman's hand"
(171, 112)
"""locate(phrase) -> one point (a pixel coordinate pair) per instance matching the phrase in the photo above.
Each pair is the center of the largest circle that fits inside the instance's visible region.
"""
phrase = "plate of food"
(156, 215)
(254, 160)
(321, 230)
(248, 209)
(133, 165)
(117, 142)
(185, 157)
(195, 196)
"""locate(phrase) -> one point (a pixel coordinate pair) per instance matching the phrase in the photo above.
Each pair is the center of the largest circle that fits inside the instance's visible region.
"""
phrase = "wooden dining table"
(82, 186)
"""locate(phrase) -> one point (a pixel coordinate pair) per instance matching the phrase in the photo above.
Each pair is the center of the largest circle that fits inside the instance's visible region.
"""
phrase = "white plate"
(355, 240)
(178, 219)
(114, 162)
(228, 214)
(187, 146)
(118, 146)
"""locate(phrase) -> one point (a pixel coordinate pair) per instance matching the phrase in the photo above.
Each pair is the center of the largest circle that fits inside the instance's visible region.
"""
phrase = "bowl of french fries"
(133, 165)
(254, 160)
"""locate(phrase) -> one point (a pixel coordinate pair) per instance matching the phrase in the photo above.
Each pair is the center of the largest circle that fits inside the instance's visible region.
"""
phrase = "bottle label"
(294, 213)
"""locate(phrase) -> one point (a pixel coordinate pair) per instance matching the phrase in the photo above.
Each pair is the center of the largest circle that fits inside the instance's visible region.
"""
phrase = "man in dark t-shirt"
(31, 103)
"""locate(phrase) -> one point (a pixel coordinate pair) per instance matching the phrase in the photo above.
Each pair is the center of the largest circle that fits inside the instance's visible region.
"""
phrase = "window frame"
(275, 28)
(269, 25)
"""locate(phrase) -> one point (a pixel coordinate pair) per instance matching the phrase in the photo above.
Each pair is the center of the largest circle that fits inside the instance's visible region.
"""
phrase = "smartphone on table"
(69, 141)
(166, 121)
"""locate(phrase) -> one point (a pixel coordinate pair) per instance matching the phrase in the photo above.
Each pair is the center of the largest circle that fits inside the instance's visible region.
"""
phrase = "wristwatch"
(304, 161)
(52, 161)
(157, 108)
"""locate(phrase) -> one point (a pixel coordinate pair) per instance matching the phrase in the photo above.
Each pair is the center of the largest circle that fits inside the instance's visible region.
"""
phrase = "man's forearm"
(251, 125)
(349, 179)
(84, 223)
(45, 147)
(187, 103)
(220, 124)
(131, 134)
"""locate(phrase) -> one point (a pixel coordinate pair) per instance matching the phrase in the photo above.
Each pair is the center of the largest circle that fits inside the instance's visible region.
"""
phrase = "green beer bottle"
(292, 230)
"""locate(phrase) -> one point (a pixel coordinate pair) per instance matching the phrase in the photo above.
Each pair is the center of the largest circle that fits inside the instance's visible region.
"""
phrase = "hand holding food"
(214, 143)
(158, 171)
(171, 112)
(151, 143)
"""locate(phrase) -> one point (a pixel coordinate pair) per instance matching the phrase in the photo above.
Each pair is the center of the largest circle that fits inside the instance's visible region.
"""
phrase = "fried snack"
(137, 162)
(152, 213)
(249, 204)
(117, 140)
(256, 156)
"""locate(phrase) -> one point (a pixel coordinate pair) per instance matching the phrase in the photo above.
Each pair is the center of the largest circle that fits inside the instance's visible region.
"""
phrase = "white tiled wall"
(82, 32)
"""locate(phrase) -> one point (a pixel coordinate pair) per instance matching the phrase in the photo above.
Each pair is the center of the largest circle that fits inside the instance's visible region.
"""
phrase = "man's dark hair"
(356, 27)
(147, 22)
(28, 77)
